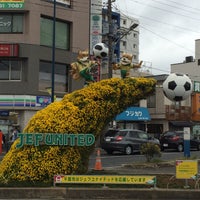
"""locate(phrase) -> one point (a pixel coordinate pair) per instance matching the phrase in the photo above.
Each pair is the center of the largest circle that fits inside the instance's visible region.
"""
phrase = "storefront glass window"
(11, 23)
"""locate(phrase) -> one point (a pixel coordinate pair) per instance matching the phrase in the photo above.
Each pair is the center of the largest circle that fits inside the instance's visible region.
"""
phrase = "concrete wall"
(97, 193)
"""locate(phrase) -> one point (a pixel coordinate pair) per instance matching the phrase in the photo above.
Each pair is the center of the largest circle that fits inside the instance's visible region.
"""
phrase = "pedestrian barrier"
(105, 179)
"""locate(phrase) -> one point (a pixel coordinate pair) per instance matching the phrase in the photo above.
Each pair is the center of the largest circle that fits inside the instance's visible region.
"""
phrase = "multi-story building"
(125, 37)
(27, 56)
(130, 42)
(169, 115)
(191, 67)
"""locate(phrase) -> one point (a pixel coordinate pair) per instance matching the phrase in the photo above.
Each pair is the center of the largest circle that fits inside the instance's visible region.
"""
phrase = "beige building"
(191, 67)
(26, 54)
(169, 115)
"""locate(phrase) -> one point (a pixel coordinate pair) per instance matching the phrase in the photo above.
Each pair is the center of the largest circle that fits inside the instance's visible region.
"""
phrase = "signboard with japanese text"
(64, 2)
(134, 114)
(9, 50)
(186, 169)
(43, 101)
(105, 179)
(11, 4)
(196, 86)
(95, 23)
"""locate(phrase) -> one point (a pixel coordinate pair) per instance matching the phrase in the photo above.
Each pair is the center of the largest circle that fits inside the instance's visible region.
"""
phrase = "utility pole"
(110, 39)
(111, 43)
(53, 53)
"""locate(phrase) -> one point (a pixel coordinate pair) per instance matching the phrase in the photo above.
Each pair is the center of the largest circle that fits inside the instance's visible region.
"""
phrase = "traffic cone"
(98, 165)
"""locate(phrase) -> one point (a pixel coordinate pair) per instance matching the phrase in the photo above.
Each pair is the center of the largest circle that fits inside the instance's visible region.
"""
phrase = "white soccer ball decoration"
(100, 50)
(177, 87)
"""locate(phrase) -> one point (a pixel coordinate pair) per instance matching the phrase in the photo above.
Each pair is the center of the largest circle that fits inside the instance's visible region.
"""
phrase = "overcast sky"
(168, 30)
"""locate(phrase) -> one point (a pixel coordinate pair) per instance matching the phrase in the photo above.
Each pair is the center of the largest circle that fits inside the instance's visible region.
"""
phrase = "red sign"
(9, 50)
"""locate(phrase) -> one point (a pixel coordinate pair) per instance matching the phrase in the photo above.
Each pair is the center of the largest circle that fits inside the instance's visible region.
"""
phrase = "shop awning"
(134, 114)
(182, 123)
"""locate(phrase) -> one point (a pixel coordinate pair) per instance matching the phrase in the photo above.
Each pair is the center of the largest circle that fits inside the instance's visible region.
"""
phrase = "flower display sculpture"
(83, 68)
(84, 111)
(125, 65)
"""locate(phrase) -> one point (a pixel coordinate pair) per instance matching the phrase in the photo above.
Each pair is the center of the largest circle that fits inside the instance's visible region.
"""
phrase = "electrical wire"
(160, 22)
(184, 5)
(158, 35)
(176, 7)
(165, 10)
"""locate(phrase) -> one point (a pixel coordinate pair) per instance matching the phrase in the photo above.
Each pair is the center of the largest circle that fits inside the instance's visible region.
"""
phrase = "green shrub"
(150, 150)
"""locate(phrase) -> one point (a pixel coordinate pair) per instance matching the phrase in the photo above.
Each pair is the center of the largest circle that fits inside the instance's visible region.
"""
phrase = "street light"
(111, 45)
(53, 52)
(127, 32)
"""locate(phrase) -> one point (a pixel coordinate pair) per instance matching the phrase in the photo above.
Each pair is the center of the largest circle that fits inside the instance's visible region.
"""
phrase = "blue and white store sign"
(134, 114)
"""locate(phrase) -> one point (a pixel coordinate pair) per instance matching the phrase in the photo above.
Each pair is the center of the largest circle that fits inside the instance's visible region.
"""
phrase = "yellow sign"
(186, 169)
(101, 179)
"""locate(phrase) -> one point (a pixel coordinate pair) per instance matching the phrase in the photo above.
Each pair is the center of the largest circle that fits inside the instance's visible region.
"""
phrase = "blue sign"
(43, 101)
(4, 113)
(134, 114)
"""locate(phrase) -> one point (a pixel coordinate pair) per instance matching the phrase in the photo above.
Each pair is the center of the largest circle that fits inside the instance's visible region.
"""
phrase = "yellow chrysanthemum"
(84, 111)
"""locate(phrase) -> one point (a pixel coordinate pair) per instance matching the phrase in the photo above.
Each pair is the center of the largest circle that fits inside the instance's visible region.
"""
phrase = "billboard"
(11, 4)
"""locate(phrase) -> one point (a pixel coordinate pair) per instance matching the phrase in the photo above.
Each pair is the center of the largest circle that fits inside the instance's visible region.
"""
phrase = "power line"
(164, 38)
(161, 22)
(165, 10)
(176, 7)
(184, 5)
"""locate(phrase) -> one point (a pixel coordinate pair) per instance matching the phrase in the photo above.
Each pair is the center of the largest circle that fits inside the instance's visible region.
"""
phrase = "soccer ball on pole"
(177, 87)
(100, 50)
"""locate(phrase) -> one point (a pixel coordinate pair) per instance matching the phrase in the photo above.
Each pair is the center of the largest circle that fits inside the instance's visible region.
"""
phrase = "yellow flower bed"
(87, 110)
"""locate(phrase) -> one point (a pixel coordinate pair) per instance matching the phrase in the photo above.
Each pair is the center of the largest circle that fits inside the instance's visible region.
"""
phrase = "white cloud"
(168, 29)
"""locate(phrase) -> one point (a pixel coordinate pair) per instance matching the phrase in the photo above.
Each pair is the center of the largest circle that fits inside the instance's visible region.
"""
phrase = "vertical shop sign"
(95, 23)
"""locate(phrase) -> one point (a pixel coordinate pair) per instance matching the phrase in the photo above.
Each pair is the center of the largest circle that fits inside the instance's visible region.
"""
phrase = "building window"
(124, 21)
(124, 43)
(11, 23)
(135, 35)
(151, 101)
(198, 61)
(134, 46)
(62, 37)
(61, 76)
(11, 69)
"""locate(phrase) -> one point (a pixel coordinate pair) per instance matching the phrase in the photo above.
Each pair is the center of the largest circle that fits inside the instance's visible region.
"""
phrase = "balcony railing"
(180, 113)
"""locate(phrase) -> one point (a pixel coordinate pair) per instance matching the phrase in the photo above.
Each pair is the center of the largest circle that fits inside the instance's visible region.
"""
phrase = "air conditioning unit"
(189, 59)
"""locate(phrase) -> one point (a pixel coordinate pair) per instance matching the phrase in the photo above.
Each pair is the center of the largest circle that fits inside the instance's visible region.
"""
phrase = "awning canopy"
(134, 114)
(182, 123)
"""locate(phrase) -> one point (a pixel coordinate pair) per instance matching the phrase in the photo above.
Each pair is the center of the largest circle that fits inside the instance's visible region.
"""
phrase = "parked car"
(175, 140)
(126, 141)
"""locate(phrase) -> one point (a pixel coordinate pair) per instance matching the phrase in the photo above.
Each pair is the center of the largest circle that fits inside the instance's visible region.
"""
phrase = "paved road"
(118, 159)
